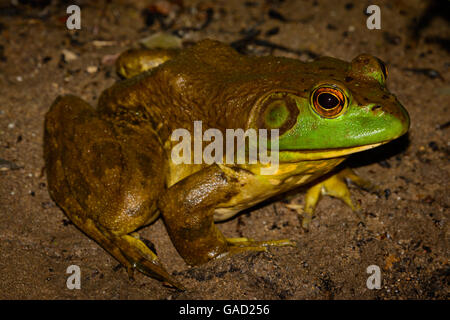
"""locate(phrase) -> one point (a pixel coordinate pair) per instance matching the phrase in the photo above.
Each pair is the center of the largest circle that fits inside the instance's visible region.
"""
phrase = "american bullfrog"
(110, 169)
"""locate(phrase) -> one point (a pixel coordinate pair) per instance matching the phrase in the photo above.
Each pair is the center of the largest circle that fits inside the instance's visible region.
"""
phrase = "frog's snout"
(397, 116)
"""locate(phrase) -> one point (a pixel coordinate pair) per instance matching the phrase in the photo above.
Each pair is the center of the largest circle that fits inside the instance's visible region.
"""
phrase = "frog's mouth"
(298, 155)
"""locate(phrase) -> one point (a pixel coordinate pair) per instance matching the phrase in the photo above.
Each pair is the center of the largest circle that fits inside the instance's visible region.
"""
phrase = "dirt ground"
(406, 229)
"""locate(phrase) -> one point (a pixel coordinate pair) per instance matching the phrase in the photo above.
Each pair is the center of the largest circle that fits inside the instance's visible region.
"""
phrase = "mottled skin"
(110, 170)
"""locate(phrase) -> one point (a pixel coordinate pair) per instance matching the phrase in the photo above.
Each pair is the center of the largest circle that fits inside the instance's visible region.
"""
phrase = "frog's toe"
(247, 242)
(334, 186)
(350, 176)
(238, 245)
(337, 188)
(304, 217)
(144, 259)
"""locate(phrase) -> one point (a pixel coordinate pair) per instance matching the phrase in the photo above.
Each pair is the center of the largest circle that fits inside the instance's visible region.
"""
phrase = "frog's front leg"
(334, 186)
(188, 212)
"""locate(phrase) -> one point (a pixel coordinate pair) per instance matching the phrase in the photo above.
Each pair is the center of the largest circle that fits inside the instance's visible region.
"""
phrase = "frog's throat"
(298, 155)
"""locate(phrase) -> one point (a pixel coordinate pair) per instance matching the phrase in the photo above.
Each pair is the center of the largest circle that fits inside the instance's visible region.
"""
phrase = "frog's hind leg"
(142, 258)
(103, 186)
(129, 250)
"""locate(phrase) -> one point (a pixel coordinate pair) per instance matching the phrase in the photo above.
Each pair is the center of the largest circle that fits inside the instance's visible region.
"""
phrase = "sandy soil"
(406, 230)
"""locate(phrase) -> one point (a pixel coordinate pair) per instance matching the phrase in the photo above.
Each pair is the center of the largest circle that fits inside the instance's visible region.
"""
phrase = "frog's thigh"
(61, 122)
(103, 187)
(114, 176)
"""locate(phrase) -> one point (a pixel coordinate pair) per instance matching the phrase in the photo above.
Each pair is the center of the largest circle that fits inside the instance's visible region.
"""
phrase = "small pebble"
(102, 43)
(92, 69)
(384, 164)
(433, 145)
(8, 165)
(68, 56)
(349, 6)
(110, 59)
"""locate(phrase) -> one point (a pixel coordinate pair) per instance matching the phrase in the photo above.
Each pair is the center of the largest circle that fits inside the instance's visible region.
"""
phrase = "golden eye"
(328, 102)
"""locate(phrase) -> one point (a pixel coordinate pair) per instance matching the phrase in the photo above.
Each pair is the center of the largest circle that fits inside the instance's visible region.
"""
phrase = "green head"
(345, 108)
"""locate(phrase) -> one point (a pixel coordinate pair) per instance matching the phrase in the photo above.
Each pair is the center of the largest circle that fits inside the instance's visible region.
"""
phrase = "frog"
(109, 167)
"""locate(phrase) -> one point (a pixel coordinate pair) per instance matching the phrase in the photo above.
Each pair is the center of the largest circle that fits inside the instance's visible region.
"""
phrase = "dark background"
(406, 232)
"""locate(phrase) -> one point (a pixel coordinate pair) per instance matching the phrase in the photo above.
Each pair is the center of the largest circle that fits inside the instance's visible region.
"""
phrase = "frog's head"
(344, 108)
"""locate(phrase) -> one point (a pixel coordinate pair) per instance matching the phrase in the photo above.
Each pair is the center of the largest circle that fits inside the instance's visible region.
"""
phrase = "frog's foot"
(130, 251)
(142, 258)
(334, 186)
(238, 245)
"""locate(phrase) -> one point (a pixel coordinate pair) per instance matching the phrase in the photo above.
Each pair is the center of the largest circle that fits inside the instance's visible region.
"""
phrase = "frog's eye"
(279, 111)
(328, 102)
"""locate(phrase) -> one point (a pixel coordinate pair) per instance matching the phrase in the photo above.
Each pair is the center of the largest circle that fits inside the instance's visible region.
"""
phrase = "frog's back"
(209, 82)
